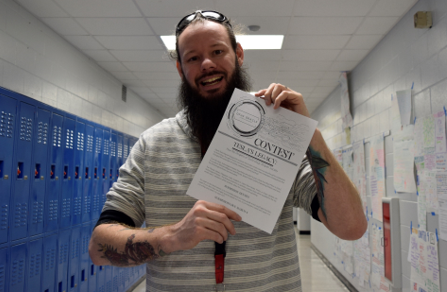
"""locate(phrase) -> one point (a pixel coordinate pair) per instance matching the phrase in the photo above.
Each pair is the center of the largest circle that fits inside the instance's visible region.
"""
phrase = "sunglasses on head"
(207, 14)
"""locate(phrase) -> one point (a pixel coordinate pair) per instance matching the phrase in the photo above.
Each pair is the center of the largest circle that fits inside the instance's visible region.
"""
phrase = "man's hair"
(175, 55)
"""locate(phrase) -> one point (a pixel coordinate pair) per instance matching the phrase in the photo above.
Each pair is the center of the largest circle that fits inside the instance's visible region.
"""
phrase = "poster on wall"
(377, 175)
(359, 174)
(403, 160)
(348, 161)
(345, 104)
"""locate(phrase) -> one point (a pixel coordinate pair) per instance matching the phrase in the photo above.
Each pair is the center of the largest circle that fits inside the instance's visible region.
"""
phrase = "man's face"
(207, 58)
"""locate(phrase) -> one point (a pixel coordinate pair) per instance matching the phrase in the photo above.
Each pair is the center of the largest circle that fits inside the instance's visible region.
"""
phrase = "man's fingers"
(222, 209)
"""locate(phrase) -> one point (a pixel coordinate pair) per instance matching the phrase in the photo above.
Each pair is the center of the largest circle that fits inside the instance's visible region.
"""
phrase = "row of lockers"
(55, 168)
(60, 262)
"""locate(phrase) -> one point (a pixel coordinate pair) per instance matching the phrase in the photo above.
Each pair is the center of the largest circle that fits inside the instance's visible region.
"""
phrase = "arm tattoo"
(134, 253)
(319, 166)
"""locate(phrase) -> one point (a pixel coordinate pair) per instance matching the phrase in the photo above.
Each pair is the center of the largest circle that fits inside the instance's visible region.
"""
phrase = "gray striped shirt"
(152, 189)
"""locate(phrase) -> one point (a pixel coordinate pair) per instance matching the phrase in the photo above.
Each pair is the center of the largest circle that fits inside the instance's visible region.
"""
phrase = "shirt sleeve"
(127, 194)
(304, 190)
(111, 216)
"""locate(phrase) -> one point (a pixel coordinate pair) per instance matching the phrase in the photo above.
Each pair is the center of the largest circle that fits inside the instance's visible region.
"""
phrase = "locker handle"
(20, 170)
(52, 171)
(37, 171)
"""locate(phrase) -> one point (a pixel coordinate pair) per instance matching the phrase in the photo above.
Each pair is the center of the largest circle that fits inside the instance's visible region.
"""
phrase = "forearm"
(341, 206)
(119, 245)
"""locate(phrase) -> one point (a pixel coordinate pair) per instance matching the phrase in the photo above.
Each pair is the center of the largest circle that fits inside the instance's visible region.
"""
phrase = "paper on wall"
(422, 200)
(441, 188)
(428, 129)
(348, 162)
(432, 281)
(404, 102)
(377, 175)
(403, 158)
(359, 178)
(440, 132)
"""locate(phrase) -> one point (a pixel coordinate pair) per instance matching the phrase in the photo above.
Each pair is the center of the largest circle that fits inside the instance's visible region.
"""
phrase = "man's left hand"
(281, 95)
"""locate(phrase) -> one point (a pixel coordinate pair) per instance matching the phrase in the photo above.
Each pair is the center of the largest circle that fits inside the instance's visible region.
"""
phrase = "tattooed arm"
(340, 204)
(119, 245)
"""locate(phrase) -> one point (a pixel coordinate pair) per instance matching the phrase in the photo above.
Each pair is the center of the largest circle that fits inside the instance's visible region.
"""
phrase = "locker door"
(41, 171)
(49, 263)
(34, 260)
(17, 268)
(106, 162)
(8, 109)
(56, 175)
(87, 174)
(97, 173)
(76, 217)
(101, 279)
(22, 173)
(4, 263)
(62, 260)
(109, 278)
(84, 263)
(65, 203)
(74, 260)
(92, 270)
(113, 160)
(125, 148)
(120, 155)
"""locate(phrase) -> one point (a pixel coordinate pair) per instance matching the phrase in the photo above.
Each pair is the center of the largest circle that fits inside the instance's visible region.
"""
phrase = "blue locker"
(17, 268)
(49, 263)
(87, 174)
(97, 173)
(93, 275)
(101, 279)
(8, 110)
(113, 159)
(74, 260)
(22, 175)
(76, 217)
(65, 202)
(63, 244)
(106, 163)
(84, 262)
(109, 278)
(41, 171)
(120, 154)
(34, 263)
(56, 174)
(4, 270)
(125, 148)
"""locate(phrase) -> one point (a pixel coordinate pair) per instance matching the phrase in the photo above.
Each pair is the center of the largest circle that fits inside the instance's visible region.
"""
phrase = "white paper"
(440, 132)
(428, 128)
(345, 103)
(422, 200)
(359, 178)
(432, 281)
(396, 122)
(253, 160)
(419, 137)
(442, 211)
(403, 167)
(404, 101)
(348, 162)
(377, 175)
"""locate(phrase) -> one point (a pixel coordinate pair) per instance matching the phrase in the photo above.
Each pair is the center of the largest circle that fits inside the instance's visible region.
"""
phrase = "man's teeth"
(212, 80)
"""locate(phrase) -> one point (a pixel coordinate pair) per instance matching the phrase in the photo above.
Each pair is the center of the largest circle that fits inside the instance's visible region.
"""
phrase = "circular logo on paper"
(246, 117)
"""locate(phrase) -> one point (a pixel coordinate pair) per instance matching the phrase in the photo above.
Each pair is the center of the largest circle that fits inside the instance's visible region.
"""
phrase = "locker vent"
(124, 93)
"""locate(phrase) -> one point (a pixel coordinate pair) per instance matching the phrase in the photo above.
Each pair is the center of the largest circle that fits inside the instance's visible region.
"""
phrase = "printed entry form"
(253, 159)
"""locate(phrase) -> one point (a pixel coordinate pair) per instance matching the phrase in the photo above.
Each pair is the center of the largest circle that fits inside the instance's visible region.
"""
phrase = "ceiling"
(322, 38)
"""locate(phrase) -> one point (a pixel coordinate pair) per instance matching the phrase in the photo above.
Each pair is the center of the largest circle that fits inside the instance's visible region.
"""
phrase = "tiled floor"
(315, 275)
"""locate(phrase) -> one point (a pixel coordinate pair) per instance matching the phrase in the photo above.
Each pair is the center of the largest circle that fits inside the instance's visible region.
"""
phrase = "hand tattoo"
(319, 166)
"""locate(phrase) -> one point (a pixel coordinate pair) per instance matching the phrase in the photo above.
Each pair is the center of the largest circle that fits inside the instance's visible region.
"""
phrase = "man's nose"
(208, 65)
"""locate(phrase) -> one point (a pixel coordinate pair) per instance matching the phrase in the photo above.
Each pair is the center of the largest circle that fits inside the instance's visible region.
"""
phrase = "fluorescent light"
(248, 42)
(260, 42)
(169, 41)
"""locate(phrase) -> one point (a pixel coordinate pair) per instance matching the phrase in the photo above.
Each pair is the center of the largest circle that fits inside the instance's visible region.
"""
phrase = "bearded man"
(191, 245)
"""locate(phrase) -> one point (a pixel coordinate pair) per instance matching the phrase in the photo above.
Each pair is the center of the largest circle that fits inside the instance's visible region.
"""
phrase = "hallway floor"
(315, 275)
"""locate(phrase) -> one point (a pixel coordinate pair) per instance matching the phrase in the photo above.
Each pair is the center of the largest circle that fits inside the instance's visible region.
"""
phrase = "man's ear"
(240, 54)
(179, 68)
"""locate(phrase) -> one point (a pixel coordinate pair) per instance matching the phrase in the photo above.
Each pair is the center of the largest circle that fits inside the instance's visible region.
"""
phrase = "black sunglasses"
(208, 14)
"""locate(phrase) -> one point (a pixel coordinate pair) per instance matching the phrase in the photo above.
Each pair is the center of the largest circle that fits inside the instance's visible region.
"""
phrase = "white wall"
(404, 56)
(36, 62)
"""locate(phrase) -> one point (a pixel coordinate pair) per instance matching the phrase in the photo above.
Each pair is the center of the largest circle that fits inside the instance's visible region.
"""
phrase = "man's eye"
(192, 59)
(218, 52)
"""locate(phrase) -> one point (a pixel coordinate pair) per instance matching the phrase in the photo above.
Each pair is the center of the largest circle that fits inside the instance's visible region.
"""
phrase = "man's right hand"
(114, 244)
(204, 221)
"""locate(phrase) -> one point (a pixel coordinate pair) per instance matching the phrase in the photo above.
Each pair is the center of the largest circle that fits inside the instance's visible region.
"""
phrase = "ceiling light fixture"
(248, 42)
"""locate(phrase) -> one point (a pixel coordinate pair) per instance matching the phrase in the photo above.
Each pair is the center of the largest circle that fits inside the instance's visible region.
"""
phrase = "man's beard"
(205, 113)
